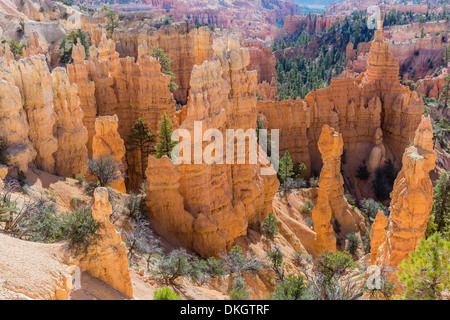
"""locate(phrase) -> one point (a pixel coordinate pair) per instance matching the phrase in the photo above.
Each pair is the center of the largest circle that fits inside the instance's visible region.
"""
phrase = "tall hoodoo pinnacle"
(411, 199)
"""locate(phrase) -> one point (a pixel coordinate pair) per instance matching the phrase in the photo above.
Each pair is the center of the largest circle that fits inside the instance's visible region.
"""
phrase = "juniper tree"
(141, 139)
(166, 144)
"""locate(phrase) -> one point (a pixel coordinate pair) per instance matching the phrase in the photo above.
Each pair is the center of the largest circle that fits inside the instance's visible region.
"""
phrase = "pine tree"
(446, 89)
(141, 139)
(426, 273)
(68, 41)
(441, 207)
(269, 228)
(286, 169)
(165, 144)
(113, 20)
(166, 65)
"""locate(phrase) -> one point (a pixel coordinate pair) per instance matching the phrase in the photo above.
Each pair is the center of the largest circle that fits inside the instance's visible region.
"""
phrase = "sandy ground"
(29, 269)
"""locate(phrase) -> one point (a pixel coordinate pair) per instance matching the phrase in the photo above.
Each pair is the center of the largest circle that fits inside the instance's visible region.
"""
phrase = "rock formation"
(107, 142)
(41, 117)
(3, 173)
(125, 87)
(377, 155)
(293, 119)
(205, 207)
(13, 121)
(356, 106)
(261, 59)
(34, 80)
(331, 191)
(331, 205)
(378, 234)
(78, 74)
(71, 157)
(106, 259)
(184, 44)
(411, 199)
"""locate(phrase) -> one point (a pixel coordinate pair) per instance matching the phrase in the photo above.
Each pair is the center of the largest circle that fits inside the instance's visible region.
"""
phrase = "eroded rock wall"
(357, 106)
(214, 204)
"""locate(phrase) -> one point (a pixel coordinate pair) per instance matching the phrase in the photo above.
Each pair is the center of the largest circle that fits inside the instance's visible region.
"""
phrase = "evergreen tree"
(426, 273)
(286, 169)
(166, 65)
(165, 144)
(68, 41)
(269, 227)
(113, 20)
(141, 139)
(441, 206)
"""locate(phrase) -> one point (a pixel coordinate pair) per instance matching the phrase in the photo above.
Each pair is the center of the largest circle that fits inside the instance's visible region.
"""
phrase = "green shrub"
(332, 265)
(363, 173)
(42, 222)
(313, 182)
(4, 156)
(106, 169)
(239, 290)
(425, 274)
(350, 199)
(309, 222)
(133, 207)
(384, 180)
(307, 206)
(371, 207)
(78, 227)
(277, 262)
(352, 243)
(300, 170)
(216, 267)
(366, 242)
(269, 227)
(291, 288)
(236, 262)
(165, 293)
(80, 179)
(21, 176)
(173, 266)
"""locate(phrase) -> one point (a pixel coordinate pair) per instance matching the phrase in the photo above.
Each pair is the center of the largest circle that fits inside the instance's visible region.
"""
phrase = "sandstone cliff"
(13, 121)
(411, 199)
(78, 74)
(34, 80)
(356, 106)
(42, 118)
(378, 234)
(125, 87)
(184, 44)
(205, 207)
(71, 157)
